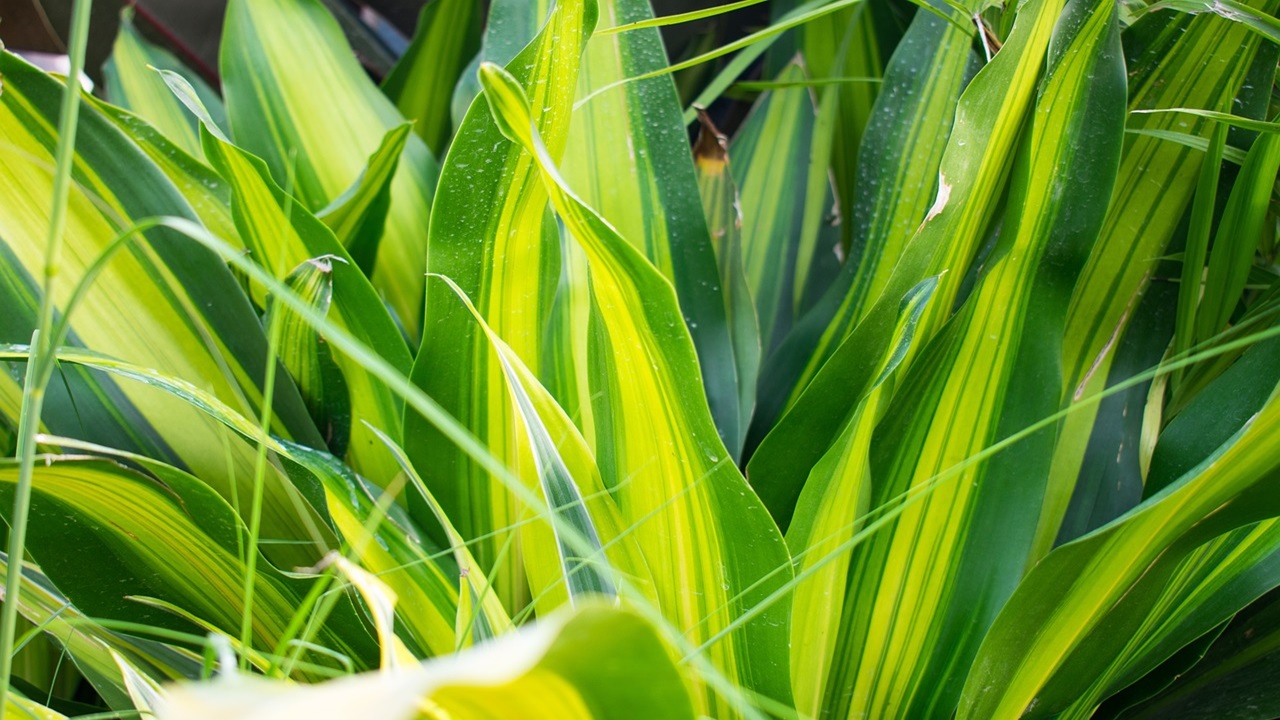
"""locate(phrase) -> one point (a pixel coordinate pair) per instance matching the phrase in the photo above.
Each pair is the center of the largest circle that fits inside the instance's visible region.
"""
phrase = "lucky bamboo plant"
(944, 386)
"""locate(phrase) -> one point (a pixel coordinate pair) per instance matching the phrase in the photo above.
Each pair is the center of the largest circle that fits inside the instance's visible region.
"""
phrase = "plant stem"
(43, 345)
(259, 481)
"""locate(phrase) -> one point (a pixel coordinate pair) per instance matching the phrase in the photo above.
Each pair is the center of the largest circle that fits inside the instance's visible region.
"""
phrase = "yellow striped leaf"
(695, 518)
(281, 236)
(629, 158)
(922, 590)
(1170, 69)
(132, 84)
(422, 82)
(1043, 654)
(160, 302)
(829, 513)
(488, 237)
(297, 97)
(98, 653)
(358, 217)
(170, 536)
(394, 547)
(578, 547)
(896, 182)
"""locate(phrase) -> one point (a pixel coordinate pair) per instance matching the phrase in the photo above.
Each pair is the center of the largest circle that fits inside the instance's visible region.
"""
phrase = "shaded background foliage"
(192, 30)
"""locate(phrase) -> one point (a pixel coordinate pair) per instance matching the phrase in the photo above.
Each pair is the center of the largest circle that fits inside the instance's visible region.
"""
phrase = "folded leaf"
(162, 302)
(597, 663)
(488, 237)
(273, 52)
(696, 520)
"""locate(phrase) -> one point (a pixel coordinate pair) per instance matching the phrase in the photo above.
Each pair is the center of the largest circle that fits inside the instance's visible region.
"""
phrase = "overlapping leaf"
(1043, 656)
(343, 397)
(488, 236)
(160, 302)
(274, 54)
(694, 517)
(133, 85)
(597, 663)
(423, 80)
(896, 181)
(724, 221)
(163, 534)
(629, 158)
(1174, 61)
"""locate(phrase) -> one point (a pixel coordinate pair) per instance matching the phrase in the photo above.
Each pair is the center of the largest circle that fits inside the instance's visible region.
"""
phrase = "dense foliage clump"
(945, 385)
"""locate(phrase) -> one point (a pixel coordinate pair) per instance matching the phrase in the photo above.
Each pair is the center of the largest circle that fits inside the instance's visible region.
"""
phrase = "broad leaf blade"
(838, 488)
(488, 237)
(696, 520)
(282, 236)
(272, 53)
(422, 82)
(133, 85)
(634, 136)
(162, 302)
(578, 547)
(598, 663)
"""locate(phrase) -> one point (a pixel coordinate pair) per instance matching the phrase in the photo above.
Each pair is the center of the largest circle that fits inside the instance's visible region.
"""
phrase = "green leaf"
(1114, 467)
(972, 177)
(510, 26)
(1143, 215)
(394, 548)
(696, 520)
(1235, 678)
(132, 84)
(770, 154)
(488, 237)
(29, 709)
(838, 487)
(1235, 121)
(1213, 416)
(1194, 585)
(307, 357)
(204, 190)
(273, 51)
(596, 663)
(165, 535)
(1256, 19)
(847, 43)
(161, 302)
(633, 135)
(1237, 238)
(724, 221)
(480, 615)
(98, 653)
(1046, 654)
(579, 547)
(422, 82)
(897, 181)
(1191, 285)
(923, 590)
(359, 216)
(281, 236)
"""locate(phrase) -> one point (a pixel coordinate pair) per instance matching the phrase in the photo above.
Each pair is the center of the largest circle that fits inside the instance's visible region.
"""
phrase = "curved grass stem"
(43, 343)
